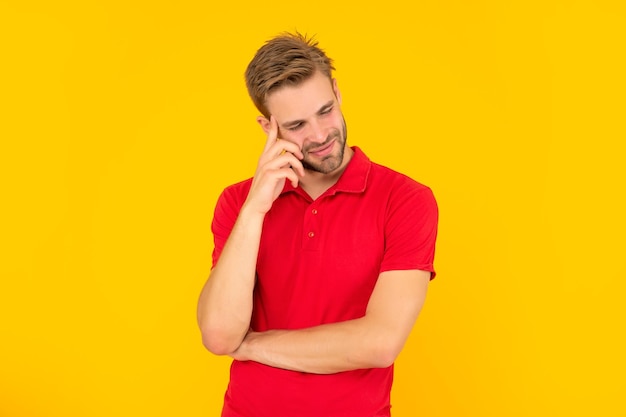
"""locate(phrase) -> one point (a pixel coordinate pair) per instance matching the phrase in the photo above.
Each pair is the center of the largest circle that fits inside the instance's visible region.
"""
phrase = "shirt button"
(314, 211)
(311, 234)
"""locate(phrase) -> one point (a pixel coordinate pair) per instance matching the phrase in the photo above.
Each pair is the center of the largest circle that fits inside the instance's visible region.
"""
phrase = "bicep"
(396, 302)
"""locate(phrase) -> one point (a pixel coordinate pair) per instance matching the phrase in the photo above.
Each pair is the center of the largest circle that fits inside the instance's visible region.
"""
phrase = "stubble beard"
(330, 162)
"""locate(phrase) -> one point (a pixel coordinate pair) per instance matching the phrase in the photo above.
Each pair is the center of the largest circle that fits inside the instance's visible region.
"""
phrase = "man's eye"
(326, 111)
(296, 127)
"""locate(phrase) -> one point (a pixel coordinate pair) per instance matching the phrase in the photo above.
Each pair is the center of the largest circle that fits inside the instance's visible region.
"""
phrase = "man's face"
(309, 116)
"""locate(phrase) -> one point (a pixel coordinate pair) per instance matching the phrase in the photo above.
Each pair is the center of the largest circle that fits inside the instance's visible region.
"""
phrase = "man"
(321, 261)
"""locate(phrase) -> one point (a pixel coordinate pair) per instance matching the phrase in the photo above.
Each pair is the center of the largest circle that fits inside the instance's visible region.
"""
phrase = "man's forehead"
(308, 96)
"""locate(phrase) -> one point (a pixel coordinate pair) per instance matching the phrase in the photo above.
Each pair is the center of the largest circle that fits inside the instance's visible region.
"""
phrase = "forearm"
(325, 349)
(372, 341)
(225, 304)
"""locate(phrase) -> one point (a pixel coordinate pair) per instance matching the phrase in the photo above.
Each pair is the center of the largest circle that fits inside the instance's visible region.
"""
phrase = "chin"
(327, 165)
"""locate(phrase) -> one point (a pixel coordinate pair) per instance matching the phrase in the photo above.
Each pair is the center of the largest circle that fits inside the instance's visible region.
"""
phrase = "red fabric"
(318, 263)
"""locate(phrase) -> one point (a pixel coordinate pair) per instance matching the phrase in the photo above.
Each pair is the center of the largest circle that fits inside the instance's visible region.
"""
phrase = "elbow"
(217, 337)
(216, 347)
(383, 360)
(218, 342)
(384, 354)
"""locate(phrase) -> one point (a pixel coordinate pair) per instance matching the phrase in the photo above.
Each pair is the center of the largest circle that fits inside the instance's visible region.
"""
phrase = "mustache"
(330, 138)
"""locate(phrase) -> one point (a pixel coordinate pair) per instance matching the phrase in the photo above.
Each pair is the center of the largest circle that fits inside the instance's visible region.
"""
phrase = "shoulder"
(237, 191)
(232, 198)
(386, 180)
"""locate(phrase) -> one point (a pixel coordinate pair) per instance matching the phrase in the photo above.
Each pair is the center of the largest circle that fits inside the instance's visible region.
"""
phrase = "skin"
(309, 116)
(306, 145)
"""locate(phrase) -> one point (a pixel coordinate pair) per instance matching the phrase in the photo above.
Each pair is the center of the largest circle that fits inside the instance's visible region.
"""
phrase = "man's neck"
(316, 183)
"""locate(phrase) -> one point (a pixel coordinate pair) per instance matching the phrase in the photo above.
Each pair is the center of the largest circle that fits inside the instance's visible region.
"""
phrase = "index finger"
(272, 134)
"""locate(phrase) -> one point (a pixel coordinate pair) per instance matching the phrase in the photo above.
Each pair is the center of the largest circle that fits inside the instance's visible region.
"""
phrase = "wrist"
(252, 212)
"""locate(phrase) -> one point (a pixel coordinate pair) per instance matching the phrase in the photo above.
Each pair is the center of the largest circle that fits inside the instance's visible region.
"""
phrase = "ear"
(264, 123)
(336, 90)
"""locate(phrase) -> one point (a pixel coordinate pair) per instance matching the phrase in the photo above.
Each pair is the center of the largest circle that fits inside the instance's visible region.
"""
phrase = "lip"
(325, 150)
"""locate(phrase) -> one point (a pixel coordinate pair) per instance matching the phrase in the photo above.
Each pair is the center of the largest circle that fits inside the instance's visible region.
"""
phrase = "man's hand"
(279, 161)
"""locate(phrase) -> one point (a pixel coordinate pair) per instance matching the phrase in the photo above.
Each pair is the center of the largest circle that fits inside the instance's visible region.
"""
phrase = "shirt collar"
(352, 180)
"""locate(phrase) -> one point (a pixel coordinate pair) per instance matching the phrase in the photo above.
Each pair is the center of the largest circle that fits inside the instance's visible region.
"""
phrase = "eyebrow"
(322, 109)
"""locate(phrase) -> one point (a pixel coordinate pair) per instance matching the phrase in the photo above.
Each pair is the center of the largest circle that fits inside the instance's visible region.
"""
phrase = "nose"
(317, 132)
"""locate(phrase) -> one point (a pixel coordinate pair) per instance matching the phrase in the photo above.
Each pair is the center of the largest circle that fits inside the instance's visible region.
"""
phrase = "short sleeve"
(226, 211)
(410, 228)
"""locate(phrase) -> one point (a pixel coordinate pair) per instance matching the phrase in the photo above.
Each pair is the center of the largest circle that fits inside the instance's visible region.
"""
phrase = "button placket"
(311, 228)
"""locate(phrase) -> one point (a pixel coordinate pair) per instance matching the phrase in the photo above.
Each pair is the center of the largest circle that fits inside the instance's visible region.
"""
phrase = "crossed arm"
(372, 341)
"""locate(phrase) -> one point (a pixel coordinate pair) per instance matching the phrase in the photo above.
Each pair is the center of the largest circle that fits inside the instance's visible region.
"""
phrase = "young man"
(321, 261)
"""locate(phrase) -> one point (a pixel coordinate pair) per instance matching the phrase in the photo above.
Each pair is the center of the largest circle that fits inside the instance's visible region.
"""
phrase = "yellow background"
(120, 122)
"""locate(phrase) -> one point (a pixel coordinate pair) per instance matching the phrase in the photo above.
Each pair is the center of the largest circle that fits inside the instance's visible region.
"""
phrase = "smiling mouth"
(323, 148)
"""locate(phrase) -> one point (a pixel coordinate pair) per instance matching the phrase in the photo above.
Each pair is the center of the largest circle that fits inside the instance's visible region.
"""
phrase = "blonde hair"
(288, 59)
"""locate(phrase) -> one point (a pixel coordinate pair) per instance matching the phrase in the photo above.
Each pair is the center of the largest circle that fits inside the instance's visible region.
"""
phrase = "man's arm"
(225, 304)
(373, 341)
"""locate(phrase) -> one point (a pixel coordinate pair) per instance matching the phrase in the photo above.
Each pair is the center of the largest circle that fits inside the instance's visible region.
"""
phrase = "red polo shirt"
(318, 263)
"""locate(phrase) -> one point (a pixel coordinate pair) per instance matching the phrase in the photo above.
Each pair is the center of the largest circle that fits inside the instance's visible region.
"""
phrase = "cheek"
(336, 119)
(336, 124)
